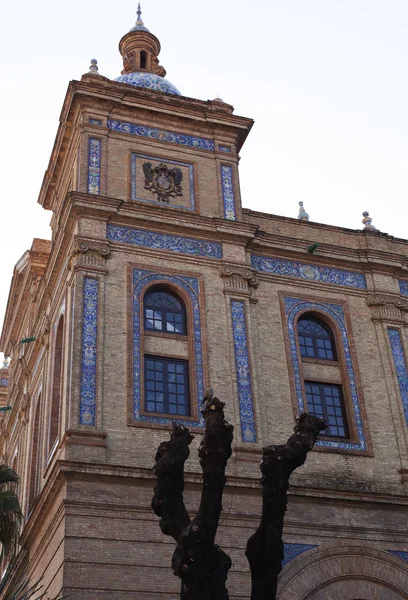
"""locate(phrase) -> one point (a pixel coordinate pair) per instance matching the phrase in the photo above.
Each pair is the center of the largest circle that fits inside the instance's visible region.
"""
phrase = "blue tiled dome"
(149, 81)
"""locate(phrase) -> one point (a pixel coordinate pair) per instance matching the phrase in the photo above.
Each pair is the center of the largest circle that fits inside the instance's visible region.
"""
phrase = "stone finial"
(303, 216)
(367, 222)
(94, 66)
(6, 362)
(139, 15)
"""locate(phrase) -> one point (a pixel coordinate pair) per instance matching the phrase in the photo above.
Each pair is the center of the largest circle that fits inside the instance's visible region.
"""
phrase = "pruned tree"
(265, 547)
(201, 565)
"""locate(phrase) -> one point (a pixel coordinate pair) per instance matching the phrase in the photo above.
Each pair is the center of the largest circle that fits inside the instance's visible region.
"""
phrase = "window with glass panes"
(166, 386)
(326, 401)
(164, 312)
(315, 339)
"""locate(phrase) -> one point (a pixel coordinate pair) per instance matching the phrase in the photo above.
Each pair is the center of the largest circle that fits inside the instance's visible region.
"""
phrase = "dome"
(149, 81)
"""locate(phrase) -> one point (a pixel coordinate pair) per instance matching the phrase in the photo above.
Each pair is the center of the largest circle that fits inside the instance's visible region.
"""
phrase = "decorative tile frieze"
(400, 366)
(403, 286)
(246, 409)
(388, 308)
(87, 408)
(163, 241)
(94, 166)
(3, 382)
(95, 121)
(293, 306)
(137, 159)
(224, 148)
(399, 554)
(291, 551)
(239, 280)
(228, 193)
(161, 135)
(289, 268)
(141, 279)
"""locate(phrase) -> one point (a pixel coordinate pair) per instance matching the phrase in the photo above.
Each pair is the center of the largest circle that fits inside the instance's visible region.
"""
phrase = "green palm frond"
(22, 589)
(7, 475)
(10, 520)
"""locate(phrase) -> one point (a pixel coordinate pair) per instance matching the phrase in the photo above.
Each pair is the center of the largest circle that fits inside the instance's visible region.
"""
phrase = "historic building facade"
(156, 285)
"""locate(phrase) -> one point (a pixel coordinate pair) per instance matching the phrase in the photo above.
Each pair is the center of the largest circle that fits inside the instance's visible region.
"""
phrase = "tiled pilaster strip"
(87, 410)
(164, 241)
(336, 313)
(291, 551)
(94, 166)
(228, 192)
(161, 135)
(190, 285)
(400, 366)
(290, 268)
(243, 372)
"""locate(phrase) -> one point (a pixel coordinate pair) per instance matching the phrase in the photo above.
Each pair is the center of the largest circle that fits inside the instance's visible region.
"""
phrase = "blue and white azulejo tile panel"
(94, 166)
(139, 193)
(399, 554)
(222, 148)
(141, 279)
(291, 551)
(293, 306)
(228, 192)
(400, 366)
(95, 121)
(289, 268)
(161, 135)
(163, 241)
(403, 285)
(246, 409)
(87, 409)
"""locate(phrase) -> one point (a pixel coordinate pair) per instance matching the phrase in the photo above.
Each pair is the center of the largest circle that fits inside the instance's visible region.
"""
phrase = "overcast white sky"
(325, 81)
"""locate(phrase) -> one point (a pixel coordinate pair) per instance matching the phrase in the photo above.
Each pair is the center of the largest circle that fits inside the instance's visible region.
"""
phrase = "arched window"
(316, 339)
(143, 59)
(322, 383)
(166, 375)
(56, 386)
(164, 312)
(34, 468)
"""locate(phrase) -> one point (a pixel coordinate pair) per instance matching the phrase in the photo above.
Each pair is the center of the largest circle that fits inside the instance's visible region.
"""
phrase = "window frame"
(331, 337)
(325, 415)
(164, 312)
(166, 360)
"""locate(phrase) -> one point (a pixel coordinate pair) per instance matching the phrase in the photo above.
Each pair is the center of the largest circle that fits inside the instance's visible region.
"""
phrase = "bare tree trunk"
(265, 548)
(201, 565)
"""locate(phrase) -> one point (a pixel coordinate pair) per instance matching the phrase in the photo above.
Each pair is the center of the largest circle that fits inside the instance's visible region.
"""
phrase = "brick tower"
(156, 285)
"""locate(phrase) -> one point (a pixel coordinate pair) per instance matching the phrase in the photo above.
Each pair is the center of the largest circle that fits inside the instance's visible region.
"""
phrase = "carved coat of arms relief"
(162, 181)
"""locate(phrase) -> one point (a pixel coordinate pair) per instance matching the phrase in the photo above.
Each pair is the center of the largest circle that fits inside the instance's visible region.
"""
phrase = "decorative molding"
(399, 554)
(239, 280)
(308, 272)
(188, 166)
(163, 241)
(291, 551)
(388, 308)
(400, 366)
(94, 166)
(87, 409)
(190, 285)
(293, 306)
(228, 193)
(90, 252)
(161, 135)
(403, 286)
(246, 409)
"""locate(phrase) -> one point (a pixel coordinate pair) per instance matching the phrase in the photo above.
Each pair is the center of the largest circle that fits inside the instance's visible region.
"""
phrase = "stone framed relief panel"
(160, 180)
(188, 288)
(335, 314)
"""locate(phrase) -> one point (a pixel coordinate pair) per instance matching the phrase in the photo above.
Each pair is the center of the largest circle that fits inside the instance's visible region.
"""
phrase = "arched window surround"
(332, 326)
(336, 317)
(56, 385)
(180, 294)
(189, 290)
